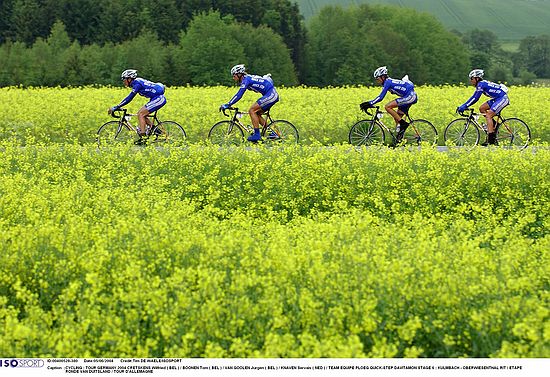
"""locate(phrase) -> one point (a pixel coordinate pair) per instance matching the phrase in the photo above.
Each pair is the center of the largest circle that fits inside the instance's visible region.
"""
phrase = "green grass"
(510, 46)
(508, 19)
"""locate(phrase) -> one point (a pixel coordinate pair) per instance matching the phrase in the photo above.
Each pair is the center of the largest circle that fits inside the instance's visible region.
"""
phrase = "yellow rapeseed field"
(302, 251)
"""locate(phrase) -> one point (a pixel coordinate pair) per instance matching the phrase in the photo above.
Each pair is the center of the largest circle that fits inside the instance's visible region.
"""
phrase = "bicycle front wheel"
(115, 132)
(421, 132)
(461, 133)
(281, 131)
(226, 132)
(513, 133)
(168, 132)
(366, 132)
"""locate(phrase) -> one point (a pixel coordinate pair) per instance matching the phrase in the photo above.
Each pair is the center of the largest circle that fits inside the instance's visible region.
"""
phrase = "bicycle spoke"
(169, 133)
(461, 133)
(226, 133)
(281, 131)
(366, 132)
(513, 133)
(421, 132)
(115, 132)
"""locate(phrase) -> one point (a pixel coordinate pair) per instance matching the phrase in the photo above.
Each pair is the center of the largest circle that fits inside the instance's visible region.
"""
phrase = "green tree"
(29, 20)
(47, 57)
(207, 49)
(213, 43)
(15, 67)
(536, 55)
(166, 21)
(97, 64)
(345, 46)
(6, 31)
(282, 16)
(266, 53)
(436, 55)
(81, 18)
(487, 53)
(146, 53)
(339, 50)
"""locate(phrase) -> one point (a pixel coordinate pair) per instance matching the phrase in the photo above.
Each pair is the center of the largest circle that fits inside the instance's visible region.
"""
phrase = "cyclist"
(404, 89)
(145, 88)
(499, 100)
(260, 84)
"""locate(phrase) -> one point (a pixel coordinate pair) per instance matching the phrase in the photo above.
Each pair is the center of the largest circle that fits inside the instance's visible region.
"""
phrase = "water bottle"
(484, 126)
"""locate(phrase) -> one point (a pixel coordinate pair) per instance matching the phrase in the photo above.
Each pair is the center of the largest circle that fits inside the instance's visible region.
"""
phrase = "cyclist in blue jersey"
(404, 89)
(499, 100)
(153, 91)
(260, 84)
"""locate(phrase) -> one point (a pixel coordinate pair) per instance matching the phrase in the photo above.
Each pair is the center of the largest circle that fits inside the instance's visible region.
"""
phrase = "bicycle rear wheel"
(421, 132)
(226, 132)
(281, 131)
(366, 132)
(168, 132)
(513, 133)
(461, 133)
(115, 132)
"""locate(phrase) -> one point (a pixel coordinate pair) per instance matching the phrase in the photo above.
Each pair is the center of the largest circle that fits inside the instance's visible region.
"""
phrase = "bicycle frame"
(125, 121)
(235, 119)
(473, 118)
(377, 118)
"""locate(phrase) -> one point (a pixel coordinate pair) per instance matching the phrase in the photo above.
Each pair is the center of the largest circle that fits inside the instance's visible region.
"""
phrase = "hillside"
(508, 19)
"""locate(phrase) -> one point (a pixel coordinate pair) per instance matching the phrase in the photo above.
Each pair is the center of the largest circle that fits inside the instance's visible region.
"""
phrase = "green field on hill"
(508, 19)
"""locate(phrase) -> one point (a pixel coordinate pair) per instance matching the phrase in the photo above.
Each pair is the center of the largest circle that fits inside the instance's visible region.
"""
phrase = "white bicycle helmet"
(239, 68)
(128, 74)
(380, 71)
(476, 73)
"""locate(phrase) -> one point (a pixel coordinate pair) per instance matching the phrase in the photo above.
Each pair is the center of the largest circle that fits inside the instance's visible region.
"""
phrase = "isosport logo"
(22, 363)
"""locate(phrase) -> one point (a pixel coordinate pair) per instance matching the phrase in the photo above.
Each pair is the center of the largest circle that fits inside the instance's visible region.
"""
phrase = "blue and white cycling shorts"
(498, 104)
(404, 103)
(156, 103)
(268, 100)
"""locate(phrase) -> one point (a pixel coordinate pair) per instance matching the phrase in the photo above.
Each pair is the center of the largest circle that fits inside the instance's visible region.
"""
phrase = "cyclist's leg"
(142, 119)
(255, 113)
(267, 101)
(403, 104)
(153, 105)
(496, 106)
(402, 110)
(390, 106)
(260, 107)
(485, 109)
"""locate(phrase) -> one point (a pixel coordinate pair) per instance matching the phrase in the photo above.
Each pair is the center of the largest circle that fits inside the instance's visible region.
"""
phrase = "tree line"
(179, 42)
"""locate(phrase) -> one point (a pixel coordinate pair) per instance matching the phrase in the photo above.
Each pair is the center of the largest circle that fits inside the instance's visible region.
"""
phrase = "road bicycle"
(232, 132)
(123, 131)
(466, 131)
(373, 131)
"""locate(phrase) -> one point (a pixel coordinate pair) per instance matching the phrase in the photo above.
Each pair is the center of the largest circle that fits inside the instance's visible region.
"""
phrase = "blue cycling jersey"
(259, 84)
(144, 88)
(490, 89)
(400, 88)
